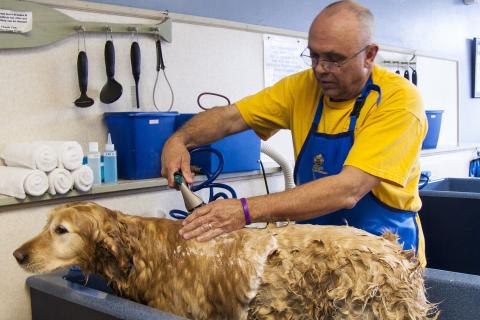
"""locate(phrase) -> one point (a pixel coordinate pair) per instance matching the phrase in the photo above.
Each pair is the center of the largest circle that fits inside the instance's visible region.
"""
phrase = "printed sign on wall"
(15, 21)
(281, 57)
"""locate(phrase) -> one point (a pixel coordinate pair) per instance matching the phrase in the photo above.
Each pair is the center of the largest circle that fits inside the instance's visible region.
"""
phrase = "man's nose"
(21, 256)
(320, 69)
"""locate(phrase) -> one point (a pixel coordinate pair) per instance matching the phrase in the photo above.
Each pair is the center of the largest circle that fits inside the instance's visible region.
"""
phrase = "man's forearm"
(210, 125)
(313, 199)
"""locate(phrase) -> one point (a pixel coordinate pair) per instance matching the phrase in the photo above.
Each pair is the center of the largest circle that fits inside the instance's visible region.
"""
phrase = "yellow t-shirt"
(388, 136)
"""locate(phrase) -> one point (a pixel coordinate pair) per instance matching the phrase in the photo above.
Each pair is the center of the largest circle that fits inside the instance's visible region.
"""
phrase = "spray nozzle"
(192, 201)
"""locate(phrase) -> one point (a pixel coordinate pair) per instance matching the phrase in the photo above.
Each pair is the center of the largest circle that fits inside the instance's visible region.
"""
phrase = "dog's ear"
(88, 228)
(113, 247)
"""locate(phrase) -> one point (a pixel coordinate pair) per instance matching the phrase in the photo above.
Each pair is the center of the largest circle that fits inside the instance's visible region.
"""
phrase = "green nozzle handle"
(178, 178)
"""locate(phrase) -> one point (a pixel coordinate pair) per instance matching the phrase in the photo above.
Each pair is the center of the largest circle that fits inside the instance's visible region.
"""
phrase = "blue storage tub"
(241, 151)
(139, 138)
(434, 118)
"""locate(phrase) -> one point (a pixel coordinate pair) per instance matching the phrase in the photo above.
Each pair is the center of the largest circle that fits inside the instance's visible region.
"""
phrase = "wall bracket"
(50, 26)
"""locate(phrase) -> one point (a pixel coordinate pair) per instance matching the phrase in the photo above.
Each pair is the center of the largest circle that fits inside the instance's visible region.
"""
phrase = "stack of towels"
(33, 168)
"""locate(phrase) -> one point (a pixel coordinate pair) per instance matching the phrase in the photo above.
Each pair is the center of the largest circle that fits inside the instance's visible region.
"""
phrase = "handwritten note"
(281, 57)
(15, 21)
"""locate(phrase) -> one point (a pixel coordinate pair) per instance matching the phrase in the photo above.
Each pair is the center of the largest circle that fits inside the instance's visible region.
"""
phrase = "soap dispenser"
(94, 162)
(110, 162)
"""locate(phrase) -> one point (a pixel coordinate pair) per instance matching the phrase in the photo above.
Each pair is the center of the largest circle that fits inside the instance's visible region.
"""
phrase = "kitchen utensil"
(135, 61)
(161, 66)
(406, 74)
(112, 90)
(82, 68)
(414, 76)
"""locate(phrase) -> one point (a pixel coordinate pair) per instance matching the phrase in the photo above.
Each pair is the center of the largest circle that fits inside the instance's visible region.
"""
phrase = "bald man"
(357, 132)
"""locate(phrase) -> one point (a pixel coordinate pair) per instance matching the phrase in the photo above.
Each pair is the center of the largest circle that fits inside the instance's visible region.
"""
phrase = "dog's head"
(71, 236)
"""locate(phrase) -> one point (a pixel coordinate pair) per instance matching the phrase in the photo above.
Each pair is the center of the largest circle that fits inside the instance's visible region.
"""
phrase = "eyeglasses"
(311, 59)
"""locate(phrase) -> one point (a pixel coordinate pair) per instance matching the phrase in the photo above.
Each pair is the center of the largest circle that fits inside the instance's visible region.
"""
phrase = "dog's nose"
(21, 257)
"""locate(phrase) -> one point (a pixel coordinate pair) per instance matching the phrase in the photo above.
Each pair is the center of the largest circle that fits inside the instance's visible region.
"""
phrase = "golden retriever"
(294, 272)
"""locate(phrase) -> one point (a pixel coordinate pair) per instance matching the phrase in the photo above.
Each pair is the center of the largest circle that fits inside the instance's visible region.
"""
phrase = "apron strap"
(359, 102)
(318, 115)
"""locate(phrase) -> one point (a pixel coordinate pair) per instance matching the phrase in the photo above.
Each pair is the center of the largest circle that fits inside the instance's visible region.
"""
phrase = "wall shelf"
(50, 26)
(122, 187)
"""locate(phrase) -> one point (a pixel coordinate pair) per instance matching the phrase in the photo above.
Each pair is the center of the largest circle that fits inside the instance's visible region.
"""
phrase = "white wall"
(38, 86)
(448, 163)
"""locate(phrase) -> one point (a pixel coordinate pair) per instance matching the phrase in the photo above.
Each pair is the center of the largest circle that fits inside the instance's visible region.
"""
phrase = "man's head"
(340, 43)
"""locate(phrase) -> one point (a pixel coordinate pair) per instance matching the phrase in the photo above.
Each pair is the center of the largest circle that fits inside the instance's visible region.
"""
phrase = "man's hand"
(175, 157)
(216, 218)
(202, 129)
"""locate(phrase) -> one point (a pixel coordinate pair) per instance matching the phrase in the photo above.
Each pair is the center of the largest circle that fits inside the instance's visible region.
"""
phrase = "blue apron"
(324, 154)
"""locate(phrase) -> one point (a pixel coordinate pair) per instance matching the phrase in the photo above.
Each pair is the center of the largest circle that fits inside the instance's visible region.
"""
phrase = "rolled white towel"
(17, 182)
(30, 155)
(70, 153)
(60, 181)
(83, 178)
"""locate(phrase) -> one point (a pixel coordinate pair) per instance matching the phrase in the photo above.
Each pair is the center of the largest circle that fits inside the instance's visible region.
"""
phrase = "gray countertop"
(123, 187)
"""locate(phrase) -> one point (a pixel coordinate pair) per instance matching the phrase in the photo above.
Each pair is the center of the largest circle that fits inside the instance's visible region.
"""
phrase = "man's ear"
(371, 54)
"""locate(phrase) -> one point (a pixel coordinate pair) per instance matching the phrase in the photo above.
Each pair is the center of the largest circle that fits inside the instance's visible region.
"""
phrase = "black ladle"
(135, 60)
(82, 68)
(112, 90)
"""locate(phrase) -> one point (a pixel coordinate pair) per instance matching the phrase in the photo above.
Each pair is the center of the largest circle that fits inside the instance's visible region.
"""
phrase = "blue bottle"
(110, 162)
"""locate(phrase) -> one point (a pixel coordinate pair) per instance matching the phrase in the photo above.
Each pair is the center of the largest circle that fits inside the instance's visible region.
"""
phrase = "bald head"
(349, 16)
(341, 38)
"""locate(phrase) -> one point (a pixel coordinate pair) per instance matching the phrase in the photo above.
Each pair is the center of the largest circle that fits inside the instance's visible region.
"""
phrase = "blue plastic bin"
(434, 118)
(240, 151)
(139, 138)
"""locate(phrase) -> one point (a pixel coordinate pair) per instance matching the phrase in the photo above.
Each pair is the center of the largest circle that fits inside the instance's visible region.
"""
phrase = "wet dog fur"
(293, 272)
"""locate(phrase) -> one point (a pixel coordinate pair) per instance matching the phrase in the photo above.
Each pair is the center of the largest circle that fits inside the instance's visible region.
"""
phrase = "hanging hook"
(134, 31)
(412, 62)
(78, 41)
(398, 68)
(83, 30)
(108, 30)
(84, 42)
(157, 32)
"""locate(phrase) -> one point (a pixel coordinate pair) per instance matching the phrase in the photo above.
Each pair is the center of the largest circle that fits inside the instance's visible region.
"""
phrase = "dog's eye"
(60, 229)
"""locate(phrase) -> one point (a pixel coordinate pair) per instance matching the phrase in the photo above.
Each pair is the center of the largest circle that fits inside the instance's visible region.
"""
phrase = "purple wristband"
(246, 212)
